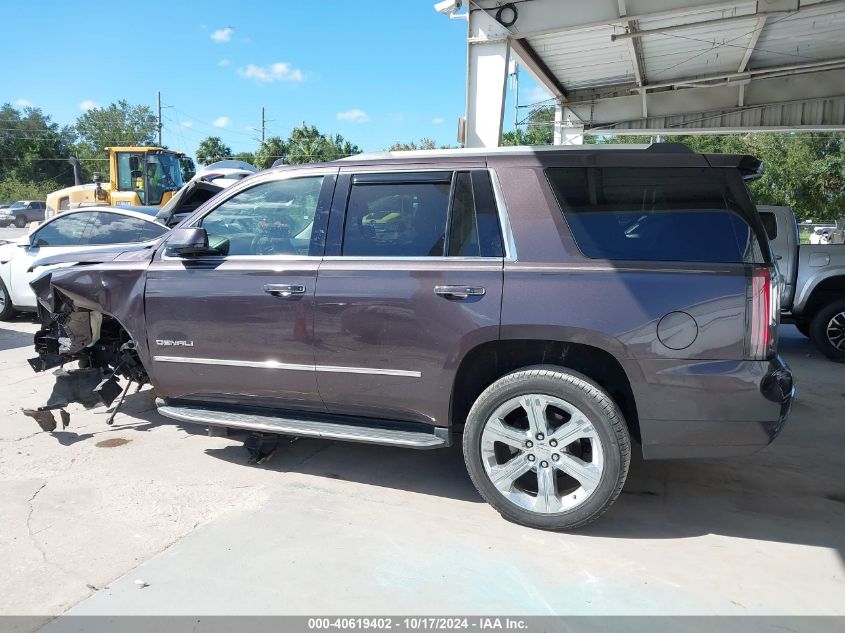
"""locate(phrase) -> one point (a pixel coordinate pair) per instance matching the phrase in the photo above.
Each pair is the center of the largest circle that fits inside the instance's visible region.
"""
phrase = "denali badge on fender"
(169, 343)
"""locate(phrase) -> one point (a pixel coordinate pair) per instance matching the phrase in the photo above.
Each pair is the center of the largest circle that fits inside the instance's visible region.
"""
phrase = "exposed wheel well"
(490, 361)
(828, 290)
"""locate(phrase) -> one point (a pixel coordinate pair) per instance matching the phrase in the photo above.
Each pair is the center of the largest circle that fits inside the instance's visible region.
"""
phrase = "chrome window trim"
(272, 364)
(504, 218)
(496, 261)
(243, 258)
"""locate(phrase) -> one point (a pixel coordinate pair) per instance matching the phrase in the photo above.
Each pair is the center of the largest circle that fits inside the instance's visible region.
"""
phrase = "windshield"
(18, 205)
(164, 173)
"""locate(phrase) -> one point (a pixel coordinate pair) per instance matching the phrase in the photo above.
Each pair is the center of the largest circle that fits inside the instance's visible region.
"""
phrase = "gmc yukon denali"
(542, 307)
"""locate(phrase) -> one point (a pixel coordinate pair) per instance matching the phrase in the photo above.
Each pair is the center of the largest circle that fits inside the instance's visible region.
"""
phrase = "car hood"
(134, 252)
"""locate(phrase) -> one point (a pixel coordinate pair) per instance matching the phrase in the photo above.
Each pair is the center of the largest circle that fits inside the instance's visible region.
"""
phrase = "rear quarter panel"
(553, 292)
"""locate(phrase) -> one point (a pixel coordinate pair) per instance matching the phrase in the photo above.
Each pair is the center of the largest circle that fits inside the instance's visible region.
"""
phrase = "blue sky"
(375, 72)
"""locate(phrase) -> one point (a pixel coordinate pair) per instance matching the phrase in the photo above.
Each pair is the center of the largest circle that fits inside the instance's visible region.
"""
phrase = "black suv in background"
(543, 307)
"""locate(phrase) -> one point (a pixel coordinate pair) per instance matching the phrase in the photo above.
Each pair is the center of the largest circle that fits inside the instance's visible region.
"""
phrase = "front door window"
(273, 218)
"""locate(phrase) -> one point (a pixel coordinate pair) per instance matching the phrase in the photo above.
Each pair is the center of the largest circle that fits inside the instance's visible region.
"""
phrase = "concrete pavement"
(353, 529)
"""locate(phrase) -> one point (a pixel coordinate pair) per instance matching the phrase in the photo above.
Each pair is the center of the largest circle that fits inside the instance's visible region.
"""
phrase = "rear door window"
(646, 214)
(66, 230)
(396, 219)
(422, 214)
(113, 228)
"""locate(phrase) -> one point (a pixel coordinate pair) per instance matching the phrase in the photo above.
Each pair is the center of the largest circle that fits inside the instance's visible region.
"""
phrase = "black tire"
(7, 312)
(803, 327)
(20, 221)
(595, 404)
(827, 340)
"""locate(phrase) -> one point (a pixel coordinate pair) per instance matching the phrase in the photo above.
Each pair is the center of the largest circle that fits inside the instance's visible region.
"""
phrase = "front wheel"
(803, 327)
(20, 221)
(547, 447)
(827, 330)
(6, 309)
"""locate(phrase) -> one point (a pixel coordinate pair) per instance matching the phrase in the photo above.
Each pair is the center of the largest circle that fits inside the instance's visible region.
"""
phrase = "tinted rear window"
(647, 214)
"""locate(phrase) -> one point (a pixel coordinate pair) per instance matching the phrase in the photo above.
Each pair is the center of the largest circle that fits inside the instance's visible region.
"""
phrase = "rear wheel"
(827, 330)
(6, 309)
(547, 448)
(20, 221)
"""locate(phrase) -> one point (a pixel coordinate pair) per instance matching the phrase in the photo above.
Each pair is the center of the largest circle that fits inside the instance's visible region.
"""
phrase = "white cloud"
(23, 103)
(88, 105)
(355, 115)
(222, 121)
(222, 35)
(438, 120)
(280, 71)
(224, 62)
(187, 124)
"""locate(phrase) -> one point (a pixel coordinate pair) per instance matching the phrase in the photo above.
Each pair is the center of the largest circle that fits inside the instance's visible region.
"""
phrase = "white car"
(86, 230)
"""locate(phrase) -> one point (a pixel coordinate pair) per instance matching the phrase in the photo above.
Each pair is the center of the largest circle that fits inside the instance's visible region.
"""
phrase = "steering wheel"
(262, 245)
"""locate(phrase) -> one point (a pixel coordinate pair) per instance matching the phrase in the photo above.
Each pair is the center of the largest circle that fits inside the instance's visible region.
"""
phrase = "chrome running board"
(271, 422)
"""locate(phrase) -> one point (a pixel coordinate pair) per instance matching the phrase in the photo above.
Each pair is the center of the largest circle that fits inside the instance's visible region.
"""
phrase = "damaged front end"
(78, 330)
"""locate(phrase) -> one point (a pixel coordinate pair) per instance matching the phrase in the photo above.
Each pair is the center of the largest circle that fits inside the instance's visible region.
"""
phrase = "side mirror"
(188, 242)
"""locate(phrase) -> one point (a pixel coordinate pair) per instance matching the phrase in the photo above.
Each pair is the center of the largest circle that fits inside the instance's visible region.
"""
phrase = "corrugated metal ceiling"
(585, 59)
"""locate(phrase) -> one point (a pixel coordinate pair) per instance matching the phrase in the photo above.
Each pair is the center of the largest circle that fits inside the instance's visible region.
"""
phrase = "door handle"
(285, 291)
(460, 292)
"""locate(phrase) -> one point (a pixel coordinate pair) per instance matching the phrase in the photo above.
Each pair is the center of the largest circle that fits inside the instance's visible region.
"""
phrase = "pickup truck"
(813, 292)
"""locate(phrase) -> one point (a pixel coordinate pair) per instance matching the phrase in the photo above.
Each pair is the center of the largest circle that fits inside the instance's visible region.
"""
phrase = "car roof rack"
(515, 150)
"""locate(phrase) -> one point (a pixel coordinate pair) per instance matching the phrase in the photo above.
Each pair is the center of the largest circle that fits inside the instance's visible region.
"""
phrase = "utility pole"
(158, 104)
(263, 129)
(263, 123)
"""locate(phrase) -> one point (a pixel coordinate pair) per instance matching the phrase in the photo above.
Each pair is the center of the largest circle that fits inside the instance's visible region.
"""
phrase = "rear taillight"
(763, 313)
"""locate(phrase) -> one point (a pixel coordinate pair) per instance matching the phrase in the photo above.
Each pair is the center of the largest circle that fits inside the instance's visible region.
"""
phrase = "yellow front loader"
(139, 176)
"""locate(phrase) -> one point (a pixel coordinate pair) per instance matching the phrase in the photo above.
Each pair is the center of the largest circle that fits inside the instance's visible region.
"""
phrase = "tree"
(211, 150)
(247, 157)
(306, 144)
(538, 130)
(803, 171)
(118, 124)
(425, 143)
(33, 148)
(270, 151)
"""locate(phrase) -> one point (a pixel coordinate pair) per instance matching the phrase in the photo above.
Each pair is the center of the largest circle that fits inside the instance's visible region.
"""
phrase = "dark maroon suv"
(543, 307)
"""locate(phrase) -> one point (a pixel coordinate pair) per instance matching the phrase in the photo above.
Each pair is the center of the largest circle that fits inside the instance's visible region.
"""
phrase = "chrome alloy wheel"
(836, 331)
(2, 300)
(542, 453)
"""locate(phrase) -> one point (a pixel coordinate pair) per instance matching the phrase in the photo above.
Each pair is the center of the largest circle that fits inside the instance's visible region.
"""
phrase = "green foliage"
(304, 145)
(270, 151)
(115, 125)
(211, 150)
(12, 189)
(805, 172)
(425, 143)
(538, 130)
(247, 157)
(33, 148)
(307, 145)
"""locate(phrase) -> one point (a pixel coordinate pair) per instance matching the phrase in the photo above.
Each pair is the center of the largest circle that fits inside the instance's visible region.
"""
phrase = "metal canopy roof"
(683, 66)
